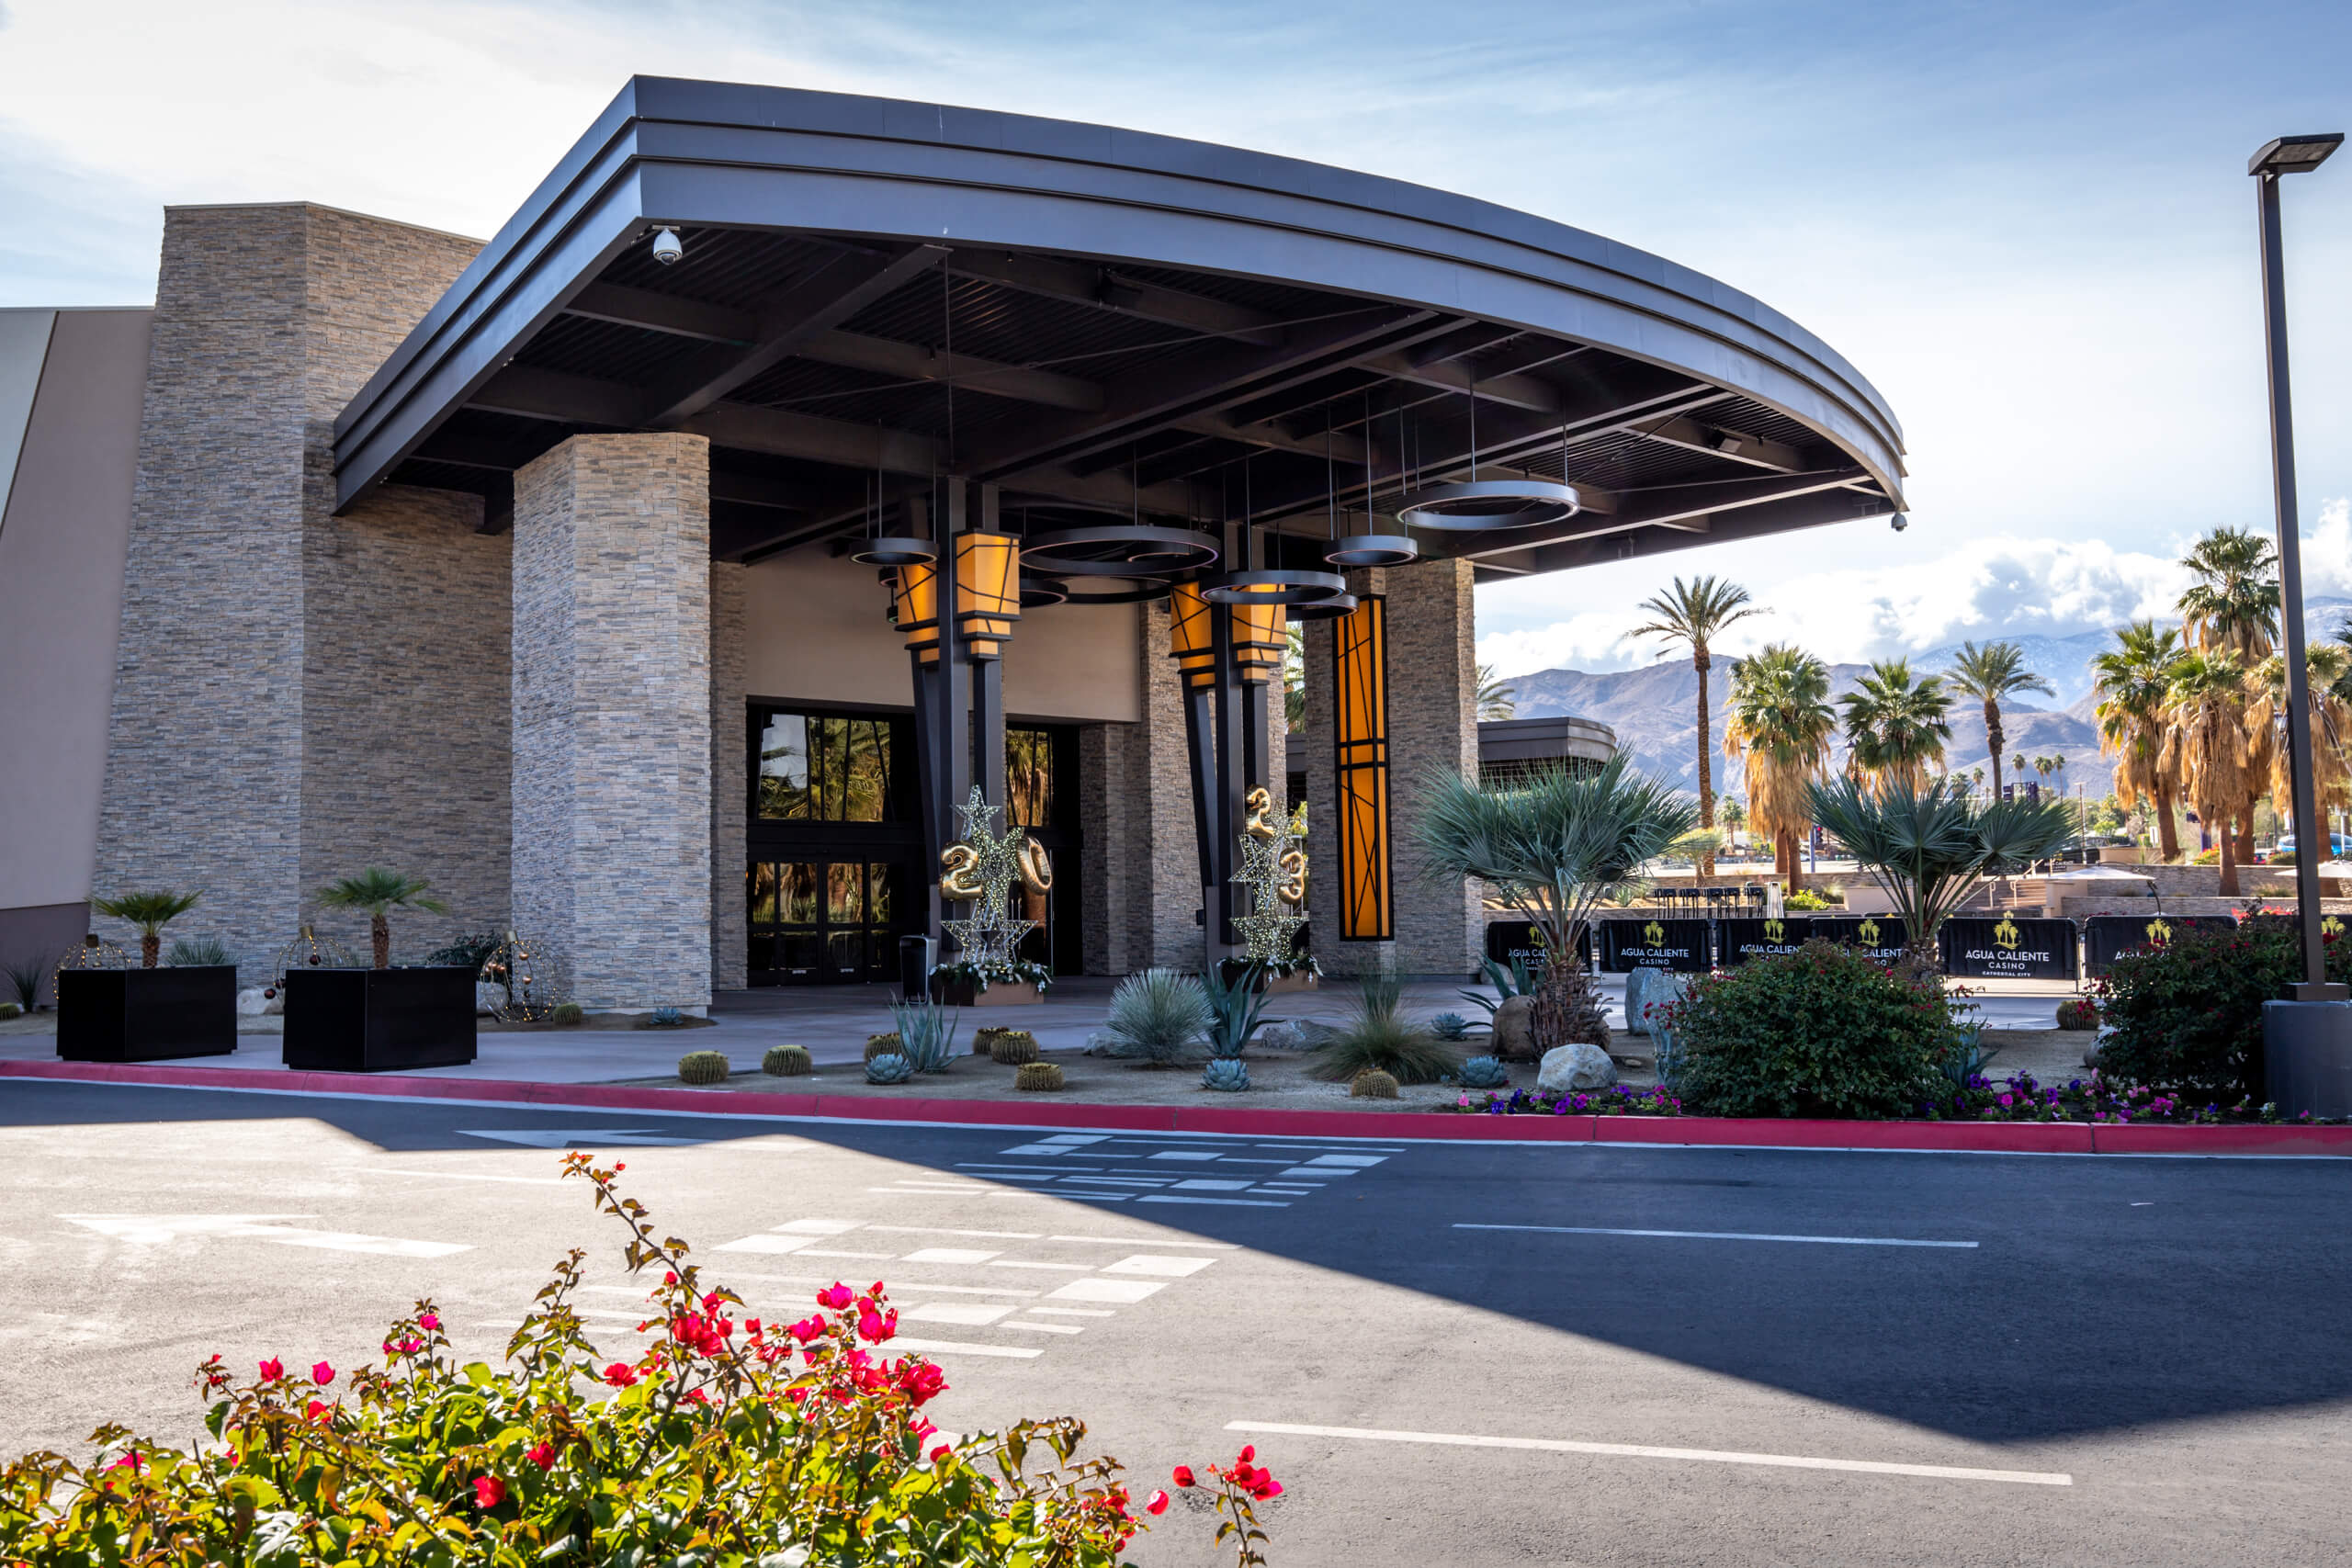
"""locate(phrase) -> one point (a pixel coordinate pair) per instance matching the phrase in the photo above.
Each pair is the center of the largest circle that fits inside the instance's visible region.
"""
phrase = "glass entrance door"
(820, 922)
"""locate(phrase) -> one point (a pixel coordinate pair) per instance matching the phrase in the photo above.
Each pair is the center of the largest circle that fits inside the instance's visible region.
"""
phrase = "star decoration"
(1270, 856)
(988, 937)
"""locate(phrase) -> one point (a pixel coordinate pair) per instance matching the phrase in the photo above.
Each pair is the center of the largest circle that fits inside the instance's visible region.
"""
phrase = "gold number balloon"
(1036, 867)
(1292, 890)
(1260, 804)
(959, 879)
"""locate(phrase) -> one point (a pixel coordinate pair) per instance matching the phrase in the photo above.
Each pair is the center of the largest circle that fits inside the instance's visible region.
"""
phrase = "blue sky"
(2028, 224)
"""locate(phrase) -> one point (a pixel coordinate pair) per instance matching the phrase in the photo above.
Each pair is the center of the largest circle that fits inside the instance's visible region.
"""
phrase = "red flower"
(922, 1383)
(429, 1323)
(876, 1328)
(670, 1278)
(489, 1490)
(273, 1369)
(939, 1455)
(1249, 1452)
(322, 1373)
(712, 1302)
(314, 1410)
(1183, 1476)
(836, 1297)
(542, 1455)
(1155, 1503)
(620, 1374)
(808, 1329)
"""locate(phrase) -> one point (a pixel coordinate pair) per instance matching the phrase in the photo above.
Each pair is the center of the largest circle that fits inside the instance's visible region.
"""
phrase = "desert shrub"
(786, 1062)
(2187, 1015)
(2078, 1013)
(703, 1067)
(666, 1018)
(1159, 1015)
(1371, 1084)
(26, 977)
(1805, 900)
(1377, 1036)
(197, 952)
(569, 1014)
(1820, 1032)
(1040, 1077)
(467, 952)
(722, 1440)
(1236, 1003)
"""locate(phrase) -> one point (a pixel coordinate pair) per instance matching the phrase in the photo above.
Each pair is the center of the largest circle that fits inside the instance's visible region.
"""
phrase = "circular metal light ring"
(1039, 592)
(1475, 506)
(1287, 588)
(895, 551)
(1372, 549)
(1120, 550)
(1325, 609)
(1144, 590)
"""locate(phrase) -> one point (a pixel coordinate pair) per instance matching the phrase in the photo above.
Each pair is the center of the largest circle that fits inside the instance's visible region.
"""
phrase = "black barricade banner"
(1744, 939)
(1507, 939)
(2009, 949)
(1881, 937)
(1681, 945)
(2107, 938)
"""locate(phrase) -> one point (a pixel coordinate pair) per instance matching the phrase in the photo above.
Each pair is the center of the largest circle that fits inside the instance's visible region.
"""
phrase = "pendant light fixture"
(1371, 548)
(1130, 549)
(881, 549)
(1477, 505)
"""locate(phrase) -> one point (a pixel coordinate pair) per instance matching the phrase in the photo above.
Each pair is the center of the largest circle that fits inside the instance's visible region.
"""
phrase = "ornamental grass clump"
(1819, 1032)
(717, 1440)
(1159, 1015)
(1378, 1037)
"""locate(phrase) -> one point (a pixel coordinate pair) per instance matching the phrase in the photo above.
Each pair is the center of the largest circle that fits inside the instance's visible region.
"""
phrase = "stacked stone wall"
(730, 785)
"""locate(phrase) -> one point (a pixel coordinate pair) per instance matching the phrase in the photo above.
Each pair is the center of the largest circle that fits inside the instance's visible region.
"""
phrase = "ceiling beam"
(1082, 284)
(672, 313)
(785, 434)
(1689, 508)
(1511, 388)
(914, 362)
(1735, 445)
(527, 391)
(789, 318)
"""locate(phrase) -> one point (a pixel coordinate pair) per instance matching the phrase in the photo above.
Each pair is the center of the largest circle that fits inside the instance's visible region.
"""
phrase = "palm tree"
(1295, 677)
(151, 912)
(1549, 848)
(2233, 607)
(1895, 726)
(2133, 684)
(1989, 674)
(1781, 721)
(380, 892)
(1694, 613)
(2206, 707)
(1930, 848)
(1976, 778)
(2328, 679)
(1498, 699)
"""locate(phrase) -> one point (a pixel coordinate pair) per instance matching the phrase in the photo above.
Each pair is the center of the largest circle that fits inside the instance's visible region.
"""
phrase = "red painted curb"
(1981, 1137)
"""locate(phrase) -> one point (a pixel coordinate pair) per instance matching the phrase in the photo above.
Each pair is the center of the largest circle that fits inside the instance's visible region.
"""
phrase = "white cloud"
(1998, 587)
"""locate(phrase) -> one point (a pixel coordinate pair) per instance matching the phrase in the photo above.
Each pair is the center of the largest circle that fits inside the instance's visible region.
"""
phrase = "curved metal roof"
(874, 292)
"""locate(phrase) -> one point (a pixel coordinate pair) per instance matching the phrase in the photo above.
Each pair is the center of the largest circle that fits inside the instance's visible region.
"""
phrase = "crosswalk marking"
(773, 1244)
(156, 1230)
(1047, 1327)
(954, 1347)
(1221, 1202)
(1124, 1291)
(968, 1314)
(1166, 1268)
(577, 1137)
(949, 1255)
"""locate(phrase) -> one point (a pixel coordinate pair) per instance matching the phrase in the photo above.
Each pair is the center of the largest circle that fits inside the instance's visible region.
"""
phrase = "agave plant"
(926, 1034)
(1484, 1072)
(1930, 848)
(380, 892)
(1234, 1010)
(889, 1069)
(151, 912)
(1229, 1075)
(1159, 1015)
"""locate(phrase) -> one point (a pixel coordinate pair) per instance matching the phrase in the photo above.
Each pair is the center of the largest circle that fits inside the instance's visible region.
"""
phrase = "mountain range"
(1653, 711)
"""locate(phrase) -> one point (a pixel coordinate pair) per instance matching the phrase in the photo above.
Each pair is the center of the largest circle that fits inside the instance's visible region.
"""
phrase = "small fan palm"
(380, 892)
(151, 912)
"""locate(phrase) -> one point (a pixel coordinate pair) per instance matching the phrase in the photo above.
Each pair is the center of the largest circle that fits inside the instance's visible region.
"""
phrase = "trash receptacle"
(914, 968)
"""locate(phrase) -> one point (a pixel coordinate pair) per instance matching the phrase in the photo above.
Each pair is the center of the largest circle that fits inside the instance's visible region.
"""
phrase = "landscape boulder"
(1637, 993)
(1515, 1029)
(259, 1001)
(1577, 1067)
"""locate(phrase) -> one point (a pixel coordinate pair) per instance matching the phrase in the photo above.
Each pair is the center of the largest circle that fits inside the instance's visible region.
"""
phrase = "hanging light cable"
(1477, 505)
(1371, 547)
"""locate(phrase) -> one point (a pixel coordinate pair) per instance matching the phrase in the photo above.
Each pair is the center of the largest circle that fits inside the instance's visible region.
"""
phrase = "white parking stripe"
(458, 1176)
(939, 1230)
(1043, 1327)
(1725, 1235)
(1221, 1202)
(953, 1347)
(1153, 1241)
(1071, 1311)
(1644, 1450)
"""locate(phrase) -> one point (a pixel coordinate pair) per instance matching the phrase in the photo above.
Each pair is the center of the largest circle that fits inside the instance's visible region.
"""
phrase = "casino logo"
(1869, 933)
(1775, 929)
(2332, 926)
(1655, 934)
(2007, 934)
(2158, 934)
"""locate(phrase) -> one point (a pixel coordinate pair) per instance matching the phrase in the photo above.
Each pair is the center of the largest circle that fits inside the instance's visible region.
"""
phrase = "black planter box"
(376, 1020)
(146, 1015)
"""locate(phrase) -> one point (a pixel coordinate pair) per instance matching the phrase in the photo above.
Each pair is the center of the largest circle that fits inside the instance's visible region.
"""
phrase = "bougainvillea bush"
(726, 1442)
(1823, 1031)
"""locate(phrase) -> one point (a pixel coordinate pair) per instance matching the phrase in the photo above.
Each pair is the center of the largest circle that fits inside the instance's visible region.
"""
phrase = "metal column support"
(988, 697)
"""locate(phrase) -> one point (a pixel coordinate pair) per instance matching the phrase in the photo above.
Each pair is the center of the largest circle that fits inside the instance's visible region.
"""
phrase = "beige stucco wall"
(814, 632)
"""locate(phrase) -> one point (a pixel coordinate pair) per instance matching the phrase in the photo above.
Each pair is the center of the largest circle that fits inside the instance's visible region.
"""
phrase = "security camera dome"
(666, 248)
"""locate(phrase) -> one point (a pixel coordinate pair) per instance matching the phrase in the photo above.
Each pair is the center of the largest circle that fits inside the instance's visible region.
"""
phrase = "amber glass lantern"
(1192, 634)
(915, 597)
(988, 592)
(1259, 641)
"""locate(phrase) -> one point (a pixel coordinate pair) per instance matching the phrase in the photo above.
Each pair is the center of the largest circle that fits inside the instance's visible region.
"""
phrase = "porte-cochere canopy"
(874, 294)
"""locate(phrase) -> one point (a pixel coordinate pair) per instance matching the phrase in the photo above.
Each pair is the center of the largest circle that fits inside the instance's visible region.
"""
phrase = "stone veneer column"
(613, 680)
(1432, 729)
(730, 789)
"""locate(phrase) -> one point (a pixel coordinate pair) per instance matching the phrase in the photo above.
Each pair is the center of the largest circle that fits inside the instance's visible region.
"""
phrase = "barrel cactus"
(883, 1046)
(1484, 1072)
(1230, 1074)
(888, 1067)
(1371, 1084)
(984, 1036)
(1450, 1026)
(1043, 1077)
(703, 1067)
(1012, 1048)
(786, 1062)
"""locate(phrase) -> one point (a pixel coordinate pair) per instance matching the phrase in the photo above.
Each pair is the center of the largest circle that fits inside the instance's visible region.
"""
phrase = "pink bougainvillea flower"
(874, 1327)
(620, 1374)
(1183, 1476)
(835, 1296)
(922, 1383)
(1249, 1452)
(315, 1409)
(1155, 1503)
(939, 1454)
(489, 1490)
(541, 1454)
(129, 1461)
(322, 1373)
(669, 1279)
(429, 1323)
(272, 1370)
(808, 1329)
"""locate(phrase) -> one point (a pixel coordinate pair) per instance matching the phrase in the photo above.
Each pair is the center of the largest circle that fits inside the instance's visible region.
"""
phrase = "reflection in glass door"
(821, 923)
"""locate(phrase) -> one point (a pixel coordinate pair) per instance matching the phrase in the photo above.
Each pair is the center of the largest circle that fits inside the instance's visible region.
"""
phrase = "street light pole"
(2292, 154)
